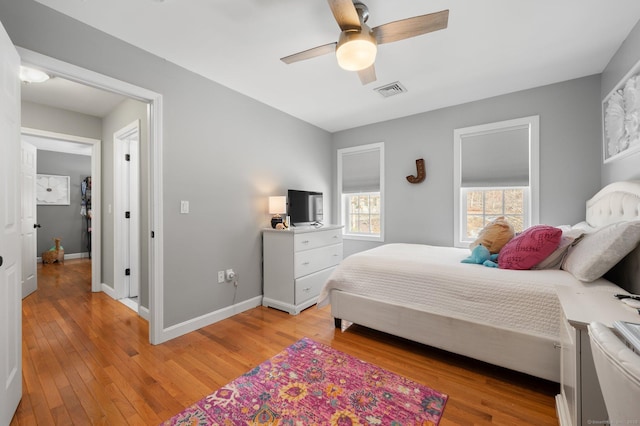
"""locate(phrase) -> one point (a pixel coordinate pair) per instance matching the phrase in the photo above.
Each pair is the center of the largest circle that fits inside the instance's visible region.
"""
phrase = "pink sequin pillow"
(531, 247)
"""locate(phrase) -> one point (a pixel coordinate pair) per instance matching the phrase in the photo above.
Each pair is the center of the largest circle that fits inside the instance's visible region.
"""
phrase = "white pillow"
(599, 251)
(584, 227)
(570, 237)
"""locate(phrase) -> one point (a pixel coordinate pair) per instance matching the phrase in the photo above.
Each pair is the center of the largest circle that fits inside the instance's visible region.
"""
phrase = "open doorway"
(76, 158)
(151, 184)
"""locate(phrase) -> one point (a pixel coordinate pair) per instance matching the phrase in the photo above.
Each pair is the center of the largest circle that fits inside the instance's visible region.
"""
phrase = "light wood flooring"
(87, 360)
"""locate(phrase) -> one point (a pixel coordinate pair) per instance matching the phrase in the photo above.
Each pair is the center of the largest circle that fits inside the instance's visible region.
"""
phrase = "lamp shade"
(356, 50)
(277, 204)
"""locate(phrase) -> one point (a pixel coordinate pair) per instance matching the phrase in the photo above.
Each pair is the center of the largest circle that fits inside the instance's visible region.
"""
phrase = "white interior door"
(127, 210)
(10, 252)
(29, 235)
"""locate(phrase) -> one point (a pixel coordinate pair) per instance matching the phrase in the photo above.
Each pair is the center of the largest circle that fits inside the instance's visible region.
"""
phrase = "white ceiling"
(490, 47)
(60, 93)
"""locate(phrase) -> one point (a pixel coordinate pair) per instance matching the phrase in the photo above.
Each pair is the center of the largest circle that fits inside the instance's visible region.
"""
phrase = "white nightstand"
(296, 264)
(580, 400)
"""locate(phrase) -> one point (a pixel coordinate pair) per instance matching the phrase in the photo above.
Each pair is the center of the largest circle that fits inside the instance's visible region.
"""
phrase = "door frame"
(132, 248)
(157, 332)
(28, 218)
(96, 207)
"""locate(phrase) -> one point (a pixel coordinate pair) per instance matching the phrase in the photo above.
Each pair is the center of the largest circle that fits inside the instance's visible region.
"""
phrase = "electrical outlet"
(220, 277)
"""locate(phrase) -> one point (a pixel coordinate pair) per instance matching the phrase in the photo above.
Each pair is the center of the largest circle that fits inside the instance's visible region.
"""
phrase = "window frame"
(342, 211)
(532, 199)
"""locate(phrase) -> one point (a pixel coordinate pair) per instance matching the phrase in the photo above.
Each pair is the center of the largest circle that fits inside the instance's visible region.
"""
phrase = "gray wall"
(622, 62)
(223, 152)
(41, 117)
(63, 222)
(121, 116)
(569, 158)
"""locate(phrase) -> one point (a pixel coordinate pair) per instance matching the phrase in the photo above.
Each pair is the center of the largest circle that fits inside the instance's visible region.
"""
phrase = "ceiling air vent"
(391, 89)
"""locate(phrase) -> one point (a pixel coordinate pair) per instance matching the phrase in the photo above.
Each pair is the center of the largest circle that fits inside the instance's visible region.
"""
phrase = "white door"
(29, 220)
(127, 211)
(10, 253)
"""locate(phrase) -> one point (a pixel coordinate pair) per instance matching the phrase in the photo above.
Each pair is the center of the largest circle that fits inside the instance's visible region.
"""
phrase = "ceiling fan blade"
(411, 27)
(345, 13)
(367, 75)
(311, 53)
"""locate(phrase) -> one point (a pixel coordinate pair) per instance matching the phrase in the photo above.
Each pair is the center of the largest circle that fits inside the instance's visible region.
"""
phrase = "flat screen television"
(304, 207)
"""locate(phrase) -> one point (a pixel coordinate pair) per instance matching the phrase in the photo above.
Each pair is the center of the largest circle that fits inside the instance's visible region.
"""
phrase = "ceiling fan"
(356, 47)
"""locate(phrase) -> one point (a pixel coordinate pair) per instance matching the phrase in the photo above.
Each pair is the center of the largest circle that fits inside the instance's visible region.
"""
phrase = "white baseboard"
(210, 318)
(109, 291)
(143, 312)
(195, 323)
(84, 255)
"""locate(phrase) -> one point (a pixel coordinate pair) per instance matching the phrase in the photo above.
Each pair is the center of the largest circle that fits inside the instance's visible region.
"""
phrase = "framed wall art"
(621, 117)
(52, 190)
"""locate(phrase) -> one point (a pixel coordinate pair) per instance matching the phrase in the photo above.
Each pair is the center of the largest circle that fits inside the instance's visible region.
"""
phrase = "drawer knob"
(305, 263)
(307, 289)
(557, 346)
(305, 242)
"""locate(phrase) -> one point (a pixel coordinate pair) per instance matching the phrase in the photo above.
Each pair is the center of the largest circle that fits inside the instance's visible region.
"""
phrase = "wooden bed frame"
(534, 355)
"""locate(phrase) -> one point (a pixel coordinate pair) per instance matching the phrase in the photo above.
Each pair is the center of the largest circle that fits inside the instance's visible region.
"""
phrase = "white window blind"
(361, 171)
(497, 159)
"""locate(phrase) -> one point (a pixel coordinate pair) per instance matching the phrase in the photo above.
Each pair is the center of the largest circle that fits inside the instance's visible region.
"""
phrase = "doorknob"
(36, 225)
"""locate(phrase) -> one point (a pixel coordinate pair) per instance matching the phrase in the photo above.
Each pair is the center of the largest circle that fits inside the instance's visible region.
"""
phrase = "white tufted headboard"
(616, 202)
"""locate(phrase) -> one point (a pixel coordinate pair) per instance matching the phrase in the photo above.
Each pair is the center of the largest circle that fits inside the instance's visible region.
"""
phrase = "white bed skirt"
(530, 354)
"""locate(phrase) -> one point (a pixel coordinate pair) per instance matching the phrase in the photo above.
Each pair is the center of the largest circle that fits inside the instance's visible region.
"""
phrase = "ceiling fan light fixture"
(356, 50)
(32, 75)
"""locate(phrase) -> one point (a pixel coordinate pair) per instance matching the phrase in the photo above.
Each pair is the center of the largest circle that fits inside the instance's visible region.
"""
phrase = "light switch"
(184, 207)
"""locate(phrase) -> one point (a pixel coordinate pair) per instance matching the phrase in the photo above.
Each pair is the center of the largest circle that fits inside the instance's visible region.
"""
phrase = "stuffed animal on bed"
(480, 255)
(495, 235)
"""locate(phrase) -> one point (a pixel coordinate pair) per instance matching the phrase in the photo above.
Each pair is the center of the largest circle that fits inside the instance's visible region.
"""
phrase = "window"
(495, 174)
(363, 213)
(361, 191)
(482, 205)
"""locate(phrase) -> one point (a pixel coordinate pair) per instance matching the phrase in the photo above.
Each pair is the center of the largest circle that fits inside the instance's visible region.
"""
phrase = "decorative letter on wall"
(422, 172)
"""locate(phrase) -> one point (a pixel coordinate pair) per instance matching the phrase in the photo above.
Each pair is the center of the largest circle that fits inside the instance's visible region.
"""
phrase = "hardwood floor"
(87, 360)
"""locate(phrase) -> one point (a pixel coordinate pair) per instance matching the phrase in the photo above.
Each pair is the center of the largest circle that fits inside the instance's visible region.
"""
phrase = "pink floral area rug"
(313, 384)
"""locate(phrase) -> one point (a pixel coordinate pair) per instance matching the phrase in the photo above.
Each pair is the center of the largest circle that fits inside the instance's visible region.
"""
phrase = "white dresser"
(580, 400)
(296, 264)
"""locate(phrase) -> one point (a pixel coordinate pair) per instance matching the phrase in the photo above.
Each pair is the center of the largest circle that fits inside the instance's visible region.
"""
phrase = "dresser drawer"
(309, 286)
(310, 240)
(309, 261)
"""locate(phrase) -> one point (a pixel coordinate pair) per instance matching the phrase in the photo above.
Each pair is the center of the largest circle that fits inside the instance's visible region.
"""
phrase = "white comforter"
(433, 279)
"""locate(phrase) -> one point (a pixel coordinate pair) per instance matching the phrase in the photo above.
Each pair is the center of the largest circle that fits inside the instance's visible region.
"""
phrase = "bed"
(509, 318)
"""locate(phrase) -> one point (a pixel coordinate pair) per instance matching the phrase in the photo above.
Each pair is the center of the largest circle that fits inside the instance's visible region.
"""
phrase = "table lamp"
(277, 205)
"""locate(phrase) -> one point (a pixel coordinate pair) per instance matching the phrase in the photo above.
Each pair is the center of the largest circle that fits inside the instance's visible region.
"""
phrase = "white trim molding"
(532, 125)
(341, 152)
(96, 197)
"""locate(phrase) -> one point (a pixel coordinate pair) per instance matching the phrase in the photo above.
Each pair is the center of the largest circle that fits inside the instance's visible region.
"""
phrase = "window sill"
(357, 237)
